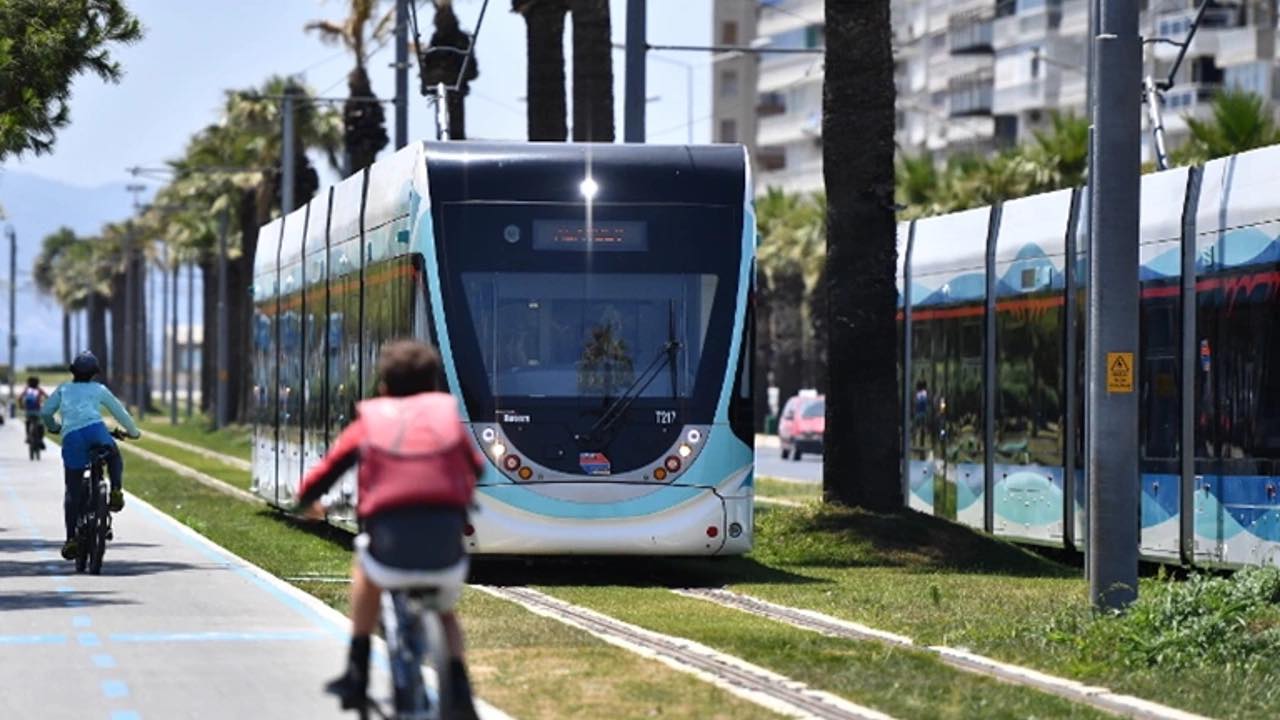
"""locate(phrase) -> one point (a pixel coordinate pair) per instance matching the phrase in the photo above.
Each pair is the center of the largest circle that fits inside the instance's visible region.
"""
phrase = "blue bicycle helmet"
(85, 365)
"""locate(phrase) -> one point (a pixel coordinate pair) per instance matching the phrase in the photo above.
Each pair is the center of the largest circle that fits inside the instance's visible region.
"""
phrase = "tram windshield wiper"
(665, 357)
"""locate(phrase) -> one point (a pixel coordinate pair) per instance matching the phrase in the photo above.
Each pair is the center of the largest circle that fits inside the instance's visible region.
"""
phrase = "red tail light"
(469, 530)
(712, 531)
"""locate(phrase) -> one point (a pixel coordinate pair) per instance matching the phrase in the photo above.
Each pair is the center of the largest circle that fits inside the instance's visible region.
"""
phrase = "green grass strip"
(905, 684)
(531, 667)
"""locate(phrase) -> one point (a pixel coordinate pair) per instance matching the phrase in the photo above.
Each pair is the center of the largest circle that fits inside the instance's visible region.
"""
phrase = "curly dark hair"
(409, 367)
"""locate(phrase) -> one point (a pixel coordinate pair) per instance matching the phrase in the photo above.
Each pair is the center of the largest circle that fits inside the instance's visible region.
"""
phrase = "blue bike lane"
(174, 627)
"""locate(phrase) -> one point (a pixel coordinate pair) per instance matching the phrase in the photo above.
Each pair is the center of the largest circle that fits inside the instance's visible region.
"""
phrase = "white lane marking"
(227, 460)
(1098, 697)
(207, 480)
(679, 651)
(313, 605)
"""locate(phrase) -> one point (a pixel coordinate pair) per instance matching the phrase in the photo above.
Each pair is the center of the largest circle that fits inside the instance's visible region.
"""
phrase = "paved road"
(770, 464)
(173, 628)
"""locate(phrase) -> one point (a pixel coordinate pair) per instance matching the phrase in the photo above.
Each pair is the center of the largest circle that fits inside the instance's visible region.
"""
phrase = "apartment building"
(978, 75)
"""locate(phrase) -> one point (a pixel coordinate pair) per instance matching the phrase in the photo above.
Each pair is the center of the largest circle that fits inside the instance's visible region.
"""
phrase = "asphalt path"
(174, 627)
(769, 463)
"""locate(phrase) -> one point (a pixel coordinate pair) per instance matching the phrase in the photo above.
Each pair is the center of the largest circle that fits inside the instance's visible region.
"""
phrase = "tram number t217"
(665, 417)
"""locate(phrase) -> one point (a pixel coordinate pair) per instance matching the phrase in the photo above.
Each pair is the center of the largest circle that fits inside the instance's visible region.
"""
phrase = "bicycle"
(414, 637)
(35, 437)
(93, 524)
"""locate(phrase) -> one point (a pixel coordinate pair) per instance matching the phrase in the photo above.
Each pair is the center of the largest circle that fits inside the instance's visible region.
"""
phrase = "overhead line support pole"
(13, 338)
(1112, 453)
(637, 46)
(402, 73)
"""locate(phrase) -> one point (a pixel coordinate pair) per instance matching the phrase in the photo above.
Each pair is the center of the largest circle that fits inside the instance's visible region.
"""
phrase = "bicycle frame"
(411, 628)
(94, 521)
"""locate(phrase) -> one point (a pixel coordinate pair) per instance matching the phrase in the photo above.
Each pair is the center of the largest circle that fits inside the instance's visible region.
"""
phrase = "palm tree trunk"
(240, 311)
(96, 315)
(592, 71)
(861, 465)
(209, 322)
(118, 369)
(544, 21)
(787, 334)
(66, 337)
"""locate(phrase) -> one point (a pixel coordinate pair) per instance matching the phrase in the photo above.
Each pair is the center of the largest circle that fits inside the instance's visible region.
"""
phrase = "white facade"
(976, 75)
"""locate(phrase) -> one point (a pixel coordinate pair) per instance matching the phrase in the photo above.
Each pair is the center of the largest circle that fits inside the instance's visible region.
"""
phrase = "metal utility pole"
(223, 346)
(128, 343)
(637, 47)
(402, 73)
(13, 301)
(288, 159)
(144, 347)
(191, 346)
(173, 351)
(1112, 452)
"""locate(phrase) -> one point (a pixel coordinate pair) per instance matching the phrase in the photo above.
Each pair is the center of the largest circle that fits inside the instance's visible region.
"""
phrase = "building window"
(1035, 63)
(770, 104)
(728, 83)
(728, 130)
(729, 33)
(772, 159)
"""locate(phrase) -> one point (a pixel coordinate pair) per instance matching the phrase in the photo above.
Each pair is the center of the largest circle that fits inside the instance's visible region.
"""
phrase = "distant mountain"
(36, 206)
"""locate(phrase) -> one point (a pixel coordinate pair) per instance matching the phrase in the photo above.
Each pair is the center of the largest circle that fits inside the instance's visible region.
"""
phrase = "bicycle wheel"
(406, 648)
(98, 529)
(82, 545)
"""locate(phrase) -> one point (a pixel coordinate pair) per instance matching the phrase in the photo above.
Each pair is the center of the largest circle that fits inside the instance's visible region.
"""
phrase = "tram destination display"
(576, 236)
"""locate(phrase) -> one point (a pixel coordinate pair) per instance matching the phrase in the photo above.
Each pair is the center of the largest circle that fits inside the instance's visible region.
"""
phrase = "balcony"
(1219, 31)
(789, 128)
(970, 33)
(971, 94)
(1028, 26)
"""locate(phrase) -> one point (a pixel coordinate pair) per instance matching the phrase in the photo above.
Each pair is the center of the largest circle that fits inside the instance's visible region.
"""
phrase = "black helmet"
(85, 365)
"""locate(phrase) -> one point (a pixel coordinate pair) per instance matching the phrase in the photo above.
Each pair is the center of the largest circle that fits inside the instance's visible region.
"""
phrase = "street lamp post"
(13, 299)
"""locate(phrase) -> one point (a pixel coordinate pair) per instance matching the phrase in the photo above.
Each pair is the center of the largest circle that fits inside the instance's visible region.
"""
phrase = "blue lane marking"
(53, 569)
(105, 662)
(280, 595)
(64, 589)
(125, 715)
(216, 636)
(33, 639)
(75, 603)
(114, 689)
(81, 621)
(88, 639)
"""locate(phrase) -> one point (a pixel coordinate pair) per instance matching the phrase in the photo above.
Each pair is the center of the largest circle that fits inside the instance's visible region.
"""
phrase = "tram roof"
(554, 172)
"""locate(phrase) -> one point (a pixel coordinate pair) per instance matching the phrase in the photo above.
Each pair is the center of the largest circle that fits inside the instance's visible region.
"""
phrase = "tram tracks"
(1100, 698)
(751, 682)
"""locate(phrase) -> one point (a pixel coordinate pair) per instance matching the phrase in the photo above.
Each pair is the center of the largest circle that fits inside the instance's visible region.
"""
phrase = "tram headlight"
(488, 435)
(498, 450)
(589, 187)
(694, 436)
(685, 451)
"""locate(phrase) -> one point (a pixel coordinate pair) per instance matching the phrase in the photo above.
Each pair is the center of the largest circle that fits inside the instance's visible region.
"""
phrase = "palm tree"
(248, 138)
(592, 71)
(1061, 155)
(1241, 121)
(861, 464)
(53, 245)
(544, 30)
(365, 130)
(442, 63)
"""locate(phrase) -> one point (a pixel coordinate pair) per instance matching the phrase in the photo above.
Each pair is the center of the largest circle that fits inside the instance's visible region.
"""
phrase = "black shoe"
(461, 706)
(69, 549)
(352, 687)
(351, 691)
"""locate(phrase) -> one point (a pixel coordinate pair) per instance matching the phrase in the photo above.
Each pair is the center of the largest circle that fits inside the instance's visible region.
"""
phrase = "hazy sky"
(195, 49)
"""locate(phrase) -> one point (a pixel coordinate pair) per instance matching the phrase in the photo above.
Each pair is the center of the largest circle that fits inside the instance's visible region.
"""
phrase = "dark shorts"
(417, 538)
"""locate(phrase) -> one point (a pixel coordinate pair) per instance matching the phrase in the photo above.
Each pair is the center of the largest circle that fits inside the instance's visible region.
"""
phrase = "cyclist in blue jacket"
(80, 402)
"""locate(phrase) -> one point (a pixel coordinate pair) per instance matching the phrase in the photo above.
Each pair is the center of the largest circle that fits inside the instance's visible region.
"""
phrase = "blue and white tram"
(591, 304)
(993, 348)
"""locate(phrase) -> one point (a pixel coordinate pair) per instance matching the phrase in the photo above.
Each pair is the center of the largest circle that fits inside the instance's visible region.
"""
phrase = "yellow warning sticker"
(1119, 372)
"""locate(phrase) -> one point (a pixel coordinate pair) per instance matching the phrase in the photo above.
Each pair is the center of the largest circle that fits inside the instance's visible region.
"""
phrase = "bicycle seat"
(101, 453)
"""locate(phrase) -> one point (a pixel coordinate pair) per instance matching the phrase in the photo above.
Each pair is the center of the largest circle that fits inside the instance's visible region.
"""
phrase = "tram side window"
(1159, 385)
(264, 365)
(1029, 353)
(388, 312)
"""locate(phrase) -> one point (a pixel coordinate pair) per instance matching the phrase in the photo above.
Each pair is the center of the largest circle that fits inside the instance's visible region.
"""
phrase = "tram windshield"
(548, 311)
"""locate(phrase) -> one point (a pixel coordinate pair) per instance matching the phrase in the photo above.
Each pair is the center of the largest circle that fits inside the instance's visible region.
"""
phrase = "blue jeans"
(75, 460)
